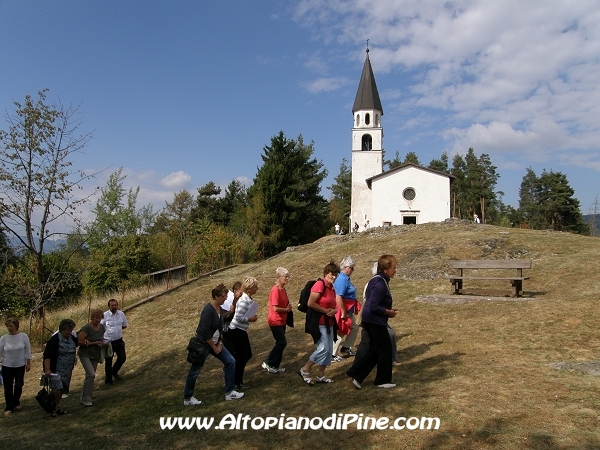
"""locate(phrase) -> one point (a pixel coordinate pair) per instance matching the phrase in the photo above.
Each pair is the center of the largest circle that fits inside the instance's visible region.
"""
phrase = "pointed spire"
(367, 96)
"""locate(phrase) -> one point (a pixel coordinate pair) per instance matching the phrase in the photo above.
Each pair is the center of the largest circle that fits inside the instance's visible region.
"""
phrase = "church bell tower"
(367, 145)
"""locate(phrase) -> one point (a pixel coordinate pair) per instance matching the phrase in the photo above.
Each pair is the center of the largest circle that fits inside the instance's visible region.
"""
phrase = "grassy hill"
(486, 369)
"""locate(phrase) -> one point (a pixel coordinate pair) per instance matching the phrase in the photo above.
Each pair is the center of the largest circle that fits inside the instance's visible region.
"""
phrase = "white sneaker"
(268, 368)
(64, 396)
(386, 386)
(234, 395)
(356, 384)
(281, 369)
(192, 401)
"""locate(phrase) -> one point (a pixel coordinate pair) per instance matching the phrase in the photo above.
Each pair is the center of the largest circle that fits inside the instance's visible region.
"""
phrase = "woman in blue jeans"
(210, 332)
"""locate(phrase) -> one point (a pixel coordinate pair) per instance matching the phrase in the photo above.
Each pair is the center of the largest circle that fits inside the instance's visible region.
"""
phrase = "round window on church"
(409, 194)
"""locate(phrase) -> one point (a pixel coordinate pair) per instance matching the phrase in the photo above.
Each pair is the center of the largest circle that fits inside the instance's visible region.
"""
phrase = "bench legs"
(517, 288)
(457, 286)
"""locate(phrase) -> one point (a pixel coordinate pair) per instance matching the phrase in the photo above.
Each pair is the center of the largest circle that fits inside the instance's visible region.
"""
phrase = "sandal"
(58, 412)
(324, 380)
(306, 377)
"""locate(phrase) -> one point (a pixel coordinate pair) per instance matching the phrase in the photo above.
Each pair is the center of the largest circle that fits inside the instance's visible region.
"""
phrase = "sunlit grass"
(481, 367)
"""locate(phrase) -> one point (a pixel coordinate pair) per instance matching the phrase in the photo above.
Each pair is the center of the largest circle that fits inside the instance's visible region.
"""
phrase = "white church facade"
(408, 194)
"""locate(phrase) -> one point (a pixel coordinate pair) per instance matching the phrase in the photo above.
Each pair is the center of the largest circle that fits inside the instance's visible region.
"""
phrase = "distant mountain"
(49, 245)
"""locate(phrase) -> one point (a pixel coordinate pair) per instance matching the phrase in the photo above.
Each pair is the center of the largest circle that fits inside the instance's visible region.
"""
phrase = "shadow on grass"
(413, 351)
(127, 414)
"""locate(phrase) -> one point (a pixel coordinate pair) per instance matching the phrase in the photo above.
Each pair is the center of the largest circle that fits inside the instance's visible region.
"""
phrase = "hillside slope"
(483, 368)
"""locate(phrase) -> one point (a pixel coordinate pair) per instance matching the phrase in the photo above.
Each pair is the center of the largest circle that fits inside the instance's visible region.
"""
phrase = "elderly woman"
(91, 340)
(279, 307)
(348, 305)
(321, 324)
(59, 360)
(210, 333)
(364, 337)
(236, 338)
(15, 355)
(377, 310)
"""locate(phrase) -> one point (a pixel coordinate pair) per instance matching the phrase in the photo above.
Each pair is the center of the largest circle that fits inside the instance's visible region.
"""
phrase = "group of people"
(332, 320)
(96, 342)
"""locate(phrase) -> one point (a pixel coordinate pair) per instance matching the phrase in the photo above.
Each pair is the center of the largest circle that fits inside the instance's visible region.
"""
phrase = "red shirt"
(277, 297)
(327, 300)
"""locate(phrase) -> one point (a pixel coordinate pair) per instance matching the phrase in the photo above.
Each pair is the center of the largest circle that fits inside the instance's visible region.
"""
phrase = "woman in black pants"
(376, 312)
(236, 339)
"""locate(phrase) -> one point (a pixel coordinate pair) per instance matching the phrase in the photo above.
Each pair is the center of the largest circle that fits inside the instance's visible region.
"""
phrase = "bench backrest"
(491, 264)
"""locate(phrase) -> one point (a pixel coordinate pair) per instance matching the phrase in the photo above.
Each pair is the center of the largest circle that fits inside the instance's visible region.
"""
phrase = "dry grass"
(482, 367)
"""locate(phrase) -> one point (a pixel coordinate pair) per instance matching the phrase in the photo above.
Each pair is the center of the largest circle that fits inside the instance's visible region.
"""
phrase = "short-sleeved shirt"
(327, 299)
(114, 324)
(93, 351)
(344, 287)
(277, 297)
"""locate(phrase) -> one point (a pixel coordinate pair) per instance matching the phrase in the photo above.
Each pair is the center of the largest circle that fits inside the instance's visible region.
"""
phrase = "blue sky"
(181, 93)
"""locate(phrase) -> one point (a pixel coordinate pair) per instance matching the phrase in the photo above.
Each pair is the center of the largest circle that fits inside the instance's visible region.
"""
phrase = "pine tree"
(441, 164)
(289, 183)
(547, 202)
(411, 157)
(341, 189)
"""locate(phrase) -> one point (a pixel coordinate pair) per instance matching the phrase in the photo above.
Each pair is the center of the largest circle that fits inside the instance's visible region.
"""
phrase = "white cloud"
(176, 180)
(247, 182)
(327, 84)
(517, 77)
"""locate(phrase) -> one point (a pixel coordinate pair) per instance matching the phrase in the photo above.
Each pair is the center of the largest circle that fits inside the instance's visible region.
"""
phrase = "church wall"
(431, 202)
(364, 165)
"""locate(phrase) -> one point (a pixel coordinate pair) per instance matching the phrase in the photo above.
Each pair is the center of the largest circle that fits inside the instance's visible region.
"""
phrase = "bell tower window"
(367, 119)
(357, 120)
(367, 142)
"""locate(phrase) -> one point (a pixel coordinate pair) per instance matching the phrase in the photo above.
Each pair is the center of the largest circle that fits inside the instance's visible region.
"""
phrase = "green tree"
(123, 261)
(115, 241)
(458, 187)
(441, 164)
(233, 205)
(547, 202)
(116, 213)
(529, 209)
(38, 185)
(411, 157)
(173, 234)
(208, 205)
(392, 163)
(289, 183)
(341, 189)
(473, 188)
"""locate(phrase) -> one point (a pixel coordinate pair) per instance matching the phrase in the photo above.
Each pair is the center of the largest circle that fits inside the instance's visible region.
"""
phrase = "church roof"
(367, 96)
(405, 166)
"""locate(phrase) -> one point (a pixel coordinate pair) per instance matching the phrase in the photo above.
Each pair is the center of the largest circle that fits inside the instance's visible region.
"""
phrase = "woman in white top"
(15, 353)
(236, 339)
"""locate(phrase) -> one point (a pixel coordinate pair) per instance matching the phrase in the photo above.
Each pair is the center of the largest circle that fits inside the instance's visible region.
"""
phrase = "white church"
(408, 194)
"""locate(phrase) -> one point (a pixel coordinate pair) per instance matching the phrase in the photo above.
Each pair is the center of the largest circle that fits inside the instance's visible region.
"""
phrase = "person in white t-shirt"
(15, 355)
(115, 322)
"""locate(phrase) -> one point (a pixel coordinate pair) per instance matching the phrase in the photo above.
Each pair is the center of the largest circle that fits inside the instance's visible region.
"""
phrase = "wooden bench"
(515, 281)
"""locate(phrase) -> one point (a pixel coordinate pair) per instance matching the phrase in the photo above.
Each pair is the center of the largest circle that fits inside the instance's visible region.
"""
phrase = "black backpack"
(305, 294)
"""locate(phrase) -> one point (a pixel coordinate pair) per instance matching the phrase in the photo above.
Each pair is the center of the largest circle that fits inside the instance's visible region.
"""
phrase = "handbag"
(45, 397)
(197, 351)
(289, 320)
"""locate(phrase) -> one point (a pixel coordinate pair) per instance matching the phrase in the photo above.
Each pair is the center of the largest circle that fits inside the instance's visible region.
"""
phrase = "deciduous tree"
(39, 188)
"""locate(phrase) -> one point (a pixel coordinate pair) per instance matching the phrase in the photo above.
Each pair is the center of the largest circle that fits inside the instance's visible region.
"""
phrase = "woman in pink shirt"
(321, 324)
(279, 307)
